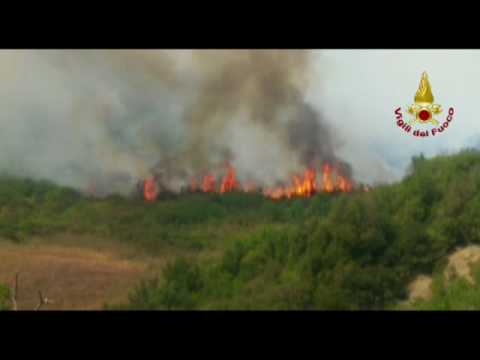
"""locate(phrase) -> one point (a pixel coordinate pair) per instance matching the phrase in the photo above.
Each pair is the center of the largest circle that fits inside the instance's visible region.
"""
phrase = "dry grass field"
(75, 273)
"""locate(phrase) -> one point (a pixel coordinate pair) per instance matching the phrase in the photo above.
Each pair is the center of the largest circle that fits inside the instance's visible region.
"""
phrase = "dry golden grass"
(459, 265)
(420, 288)
(75, 273)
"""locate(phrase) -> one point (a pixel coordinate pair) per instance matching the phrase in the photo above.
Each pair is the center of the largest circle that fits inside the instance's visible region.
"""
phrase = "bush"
(182, 282)
(4, 297)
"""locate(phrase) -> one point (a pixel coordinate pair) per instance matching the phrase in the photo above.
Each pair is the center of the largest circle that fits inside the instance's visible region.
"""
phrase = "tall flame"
(327, 183)
(150, 190)
(229, 182)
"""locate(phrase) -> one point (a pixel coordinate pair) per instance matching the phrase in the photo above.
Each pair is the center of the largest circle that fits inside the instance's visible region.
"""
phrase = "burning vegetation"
(150, 190)
(330, 179)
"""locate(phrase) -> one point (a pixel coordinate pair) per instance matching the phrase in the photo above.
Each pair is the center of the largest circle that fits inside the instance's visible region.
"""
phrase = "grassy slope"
(348, 251)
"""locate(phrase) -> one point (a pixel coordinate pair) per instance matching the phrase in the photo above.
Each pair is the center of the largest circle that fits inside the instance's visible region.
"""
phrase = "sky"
(358, 90)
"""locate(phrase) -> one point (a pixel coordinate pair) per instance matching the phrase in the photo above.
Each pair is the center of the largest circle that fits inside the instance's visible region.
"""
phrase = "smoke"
(103, 119)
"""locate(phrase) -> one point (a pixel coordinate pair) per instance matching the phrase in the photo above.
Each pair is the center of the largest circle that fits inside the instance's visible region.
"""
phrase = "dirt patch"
(74, 277)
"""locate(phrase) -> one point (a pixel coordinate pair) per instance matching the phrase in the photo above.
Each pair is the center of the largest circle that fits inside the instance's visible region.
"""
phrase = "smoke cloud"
(103, 119)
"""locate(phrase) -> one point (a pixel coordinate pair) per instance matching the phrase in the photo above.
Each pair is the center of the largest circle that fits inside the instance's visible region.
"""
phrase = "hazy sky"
(360, 89)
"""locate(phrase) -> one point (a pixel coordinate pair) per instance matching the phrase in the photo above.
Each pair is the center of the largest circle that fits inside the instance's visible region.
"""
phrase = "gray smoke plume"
(103, 119)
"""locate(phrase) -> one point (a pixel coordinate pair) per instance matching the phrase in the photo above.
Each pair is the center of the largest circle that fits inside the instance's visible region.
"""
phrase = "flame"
(327, 183)
(229, 182)
(304, 185)
(301, 187)
(307, 185)
(208, 183)
(150, 190)
(343, 184)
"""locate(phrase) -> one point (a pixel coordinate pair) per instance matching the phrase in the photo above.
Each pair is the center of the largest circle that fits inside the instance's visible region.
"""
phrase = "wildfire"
(150, 190)
(327, 182)
(208, 184)
(343, 184)
(305, 185)
(229, 183)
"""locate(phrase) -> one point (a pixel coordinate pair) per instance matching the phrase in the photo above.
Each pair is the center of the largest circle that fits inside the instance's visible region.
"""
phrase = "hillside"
(241, 251)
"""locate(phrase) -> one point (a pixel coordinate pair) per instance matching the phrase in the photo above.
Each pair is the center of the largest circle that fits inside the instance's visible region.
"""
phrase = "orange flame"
(309, 187)
(208, 184)
(229, 182)
(305, 185)
(150, 190)
(327, 183)
(343, 184)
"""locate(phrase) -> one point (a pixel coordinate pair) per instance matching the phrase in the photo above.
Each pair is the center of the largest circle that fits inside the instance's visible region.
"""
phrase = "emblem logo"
(423, 112)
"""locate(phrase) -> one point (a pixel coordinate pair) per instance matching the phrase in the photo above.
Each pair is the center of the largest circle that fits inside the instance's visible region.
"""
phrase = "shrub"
(4, 297)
